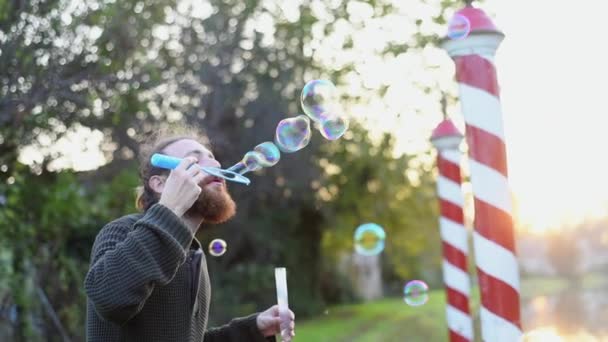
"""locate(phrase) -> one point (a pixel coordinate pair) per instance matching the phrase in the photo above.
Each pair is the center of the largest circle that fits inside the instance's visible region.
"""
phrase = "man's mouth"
(213, 180)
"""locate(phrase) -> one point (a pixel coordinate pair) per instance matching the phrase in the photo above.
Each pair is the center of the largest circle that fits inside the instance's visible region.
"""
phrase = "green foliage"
(47, 229)
(65, 65)
(365, 182)
(125, 67)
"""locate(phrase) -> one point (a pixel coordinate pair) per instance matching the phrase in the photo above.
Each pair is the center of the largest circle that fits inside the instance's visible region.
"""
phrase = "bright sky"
(551, 68)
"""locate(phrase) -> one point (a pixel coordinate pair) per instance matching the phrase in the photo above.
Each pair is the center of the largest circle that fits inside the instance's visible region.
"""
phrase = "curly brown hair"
(156, 143)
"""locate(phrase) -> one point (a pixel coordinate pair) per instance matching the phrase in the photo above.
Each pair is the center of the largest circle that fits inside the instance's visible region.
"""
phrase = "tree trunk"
(366, 275)
(20, 331)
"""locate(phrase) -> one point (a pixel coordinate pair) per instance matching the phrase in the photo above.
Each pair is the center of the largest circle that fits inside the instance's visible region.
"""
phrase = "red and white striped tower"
(446, 138)
(493, 239)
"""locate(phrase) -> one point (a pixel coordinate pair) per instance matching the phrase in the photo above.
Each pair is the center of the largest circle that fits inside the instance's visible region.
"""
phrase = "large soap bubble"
(269, 152)
(293, 134)
(318, 97)
(334, 127)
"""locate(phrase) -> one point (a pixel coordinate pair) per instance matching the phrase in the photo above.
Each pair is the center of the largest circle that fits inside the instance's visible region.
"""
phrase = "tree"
(123, 68)
(64, 65)
(366, 182)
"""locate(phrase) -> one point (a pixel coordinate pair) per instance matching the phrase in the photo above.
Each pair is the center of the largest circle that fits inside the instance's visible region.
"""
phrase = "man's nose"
(210, 162)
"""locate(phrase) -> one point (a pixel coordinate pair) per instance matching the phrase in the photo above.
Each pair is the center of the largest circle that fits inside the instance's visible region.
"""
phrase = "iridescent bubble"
(416, 293)
(334, 127)
(459, 27)
(369, 239)
(293, 134)
(253, 160)
(318, 96)
(270, 153)
(217, 247)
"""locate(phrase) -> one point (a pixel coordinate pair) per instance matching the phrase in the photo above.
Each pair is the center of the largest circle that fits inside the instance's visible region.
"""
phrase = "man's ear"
(157, 183)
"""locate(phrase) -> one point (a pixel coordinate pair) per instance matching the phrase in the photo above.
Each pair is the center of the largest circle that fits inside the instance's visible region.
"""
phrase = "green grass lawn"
(391, 319)
(383, 320)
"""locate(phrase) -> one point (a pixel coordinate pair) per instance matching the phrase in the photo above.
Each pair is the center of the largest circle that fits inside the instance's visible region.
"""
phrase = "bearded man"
(148, 279)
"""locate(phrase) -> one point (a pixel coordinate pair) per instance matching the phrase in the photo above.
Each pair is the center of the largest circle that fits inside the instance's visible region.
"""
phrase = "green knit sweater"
(148, 281)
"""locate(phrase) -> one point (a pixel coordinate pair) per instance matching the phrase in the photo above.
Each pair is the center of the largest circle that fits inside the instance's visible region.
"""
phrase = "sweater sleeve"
(128, 262)
(238, 330)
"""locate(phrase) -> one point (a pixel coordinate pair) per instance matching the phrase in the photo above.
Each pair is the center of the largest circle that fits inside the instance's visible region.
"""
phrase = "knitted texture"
(148, 281)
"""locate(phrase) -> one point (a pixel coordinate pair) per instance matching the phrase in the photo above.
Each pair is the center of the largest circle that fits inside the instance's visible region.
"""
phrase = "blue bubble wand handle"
(167, 162)
(164, 161)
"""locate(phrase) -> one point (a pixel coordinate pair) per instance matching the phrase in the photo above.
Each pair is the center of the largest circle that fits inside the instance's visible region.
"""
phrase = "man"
(148, 277)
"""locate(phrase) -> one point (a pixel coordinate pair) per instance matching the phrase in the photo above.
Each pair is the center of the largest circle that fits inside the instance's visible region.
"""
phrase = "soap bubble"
(217, 247)
(334, 127)
(459, 27)
(253, 160)
(293, 134)
(269, 152)
(369, 239)
(318, 96)
(415, 293)
(264, 155)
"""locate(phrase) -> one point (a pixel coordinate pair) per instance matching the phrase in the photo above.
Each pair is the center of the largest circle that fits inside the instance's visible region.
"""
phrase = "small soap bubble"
(217, 247)
(369, 239)
(318, 96)
(293, 134)
(415, 293)
(459, 27)
(269, 152)
(253, 160)
(334, 127)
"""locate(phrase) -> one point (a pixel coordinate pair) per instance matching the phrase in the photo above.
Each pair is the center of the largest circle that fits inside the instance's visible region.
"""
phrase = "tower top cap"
(446, 128)
(479, 20)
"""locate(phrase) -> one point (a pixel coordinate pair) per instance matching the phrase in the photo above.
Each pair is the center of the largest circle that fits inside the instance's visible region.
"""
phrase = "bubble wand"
(167, 162)
(280, 277)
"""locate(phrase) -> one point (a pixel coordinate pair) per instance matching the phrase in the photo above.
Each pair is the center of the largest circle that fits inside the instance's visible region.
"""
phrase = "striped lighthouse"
(446, 138)
(493, 239)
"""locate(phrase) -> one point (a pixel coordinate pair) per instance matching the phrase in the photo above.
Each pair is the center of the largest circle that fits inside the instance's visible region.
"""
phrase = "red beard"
(214, 205)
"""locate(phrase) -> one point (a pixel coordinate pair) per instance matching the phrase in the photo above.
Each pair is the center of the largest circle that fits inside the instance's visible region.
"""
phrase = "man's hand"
(181, 187)
(272, 322)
